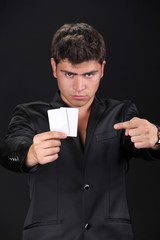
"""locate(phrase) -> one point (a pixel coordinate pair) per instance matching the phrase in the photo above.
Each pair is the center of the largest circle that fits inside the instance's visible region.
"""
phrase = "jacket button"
(86, 187)
(87, 226)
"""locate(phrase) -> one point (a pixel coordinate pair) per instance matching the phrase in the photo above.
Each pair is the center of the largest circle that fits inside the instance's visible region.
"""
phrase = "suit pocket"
(117, 220)
(118, 228)
(47, 230)
(39, 224)
(105, 135)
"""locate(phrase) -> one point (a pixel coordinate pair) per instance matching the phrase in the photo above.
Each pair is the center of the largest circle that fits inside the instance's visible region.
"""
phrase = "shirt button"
(87, 226)
(86, 187)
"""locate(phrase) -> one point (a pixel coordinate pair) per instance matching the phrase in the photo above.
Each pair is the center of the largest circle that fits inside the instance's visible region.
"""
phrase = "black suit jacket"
(81, 195)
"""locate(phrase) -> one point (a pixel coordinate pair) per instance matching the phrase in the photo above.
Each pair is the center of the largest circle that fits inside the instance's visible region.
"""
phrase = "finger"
(49, 159)
(49, 135)
(57, 135)
(124, 125)
(139, 145)
(135, 132)
(140, 142)
(51, 143)
(51, 151)
(127, 132)
(135, 139)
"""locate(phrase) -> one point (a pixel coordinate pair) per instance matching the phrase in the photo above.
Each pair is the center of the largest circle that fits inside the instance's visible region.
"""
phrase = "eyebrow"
(64, 71)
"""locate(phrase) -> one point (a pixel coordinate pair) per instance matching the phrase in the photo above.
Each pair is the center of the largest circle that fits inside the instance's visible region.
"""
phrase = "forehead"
(86, 66)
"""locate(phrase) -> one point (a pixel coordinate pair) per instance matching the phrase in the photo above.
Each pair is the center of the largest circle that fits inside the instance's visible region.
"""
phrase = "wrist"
(157, 144)
(156, 147)
(30, 160)
(158, 136)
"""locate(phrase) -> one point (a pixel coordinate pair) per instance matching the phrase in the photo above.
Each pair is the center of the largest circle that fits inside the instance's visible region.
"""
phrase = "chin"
(78, 103)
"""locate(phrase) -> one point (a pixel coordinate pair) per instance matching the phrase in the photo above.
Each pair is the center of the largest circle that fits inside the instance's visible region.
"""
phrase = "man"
(77, 185)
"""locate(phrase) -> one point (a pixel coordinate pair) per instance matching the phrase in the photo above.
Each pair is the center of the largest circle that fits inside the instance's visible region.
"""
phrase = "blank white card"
(64, 120)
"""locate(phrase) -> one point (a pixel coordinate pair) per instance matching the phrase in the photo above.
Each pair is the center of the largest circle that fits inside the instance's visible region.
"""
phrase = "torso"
(82, 126)
(82, 134)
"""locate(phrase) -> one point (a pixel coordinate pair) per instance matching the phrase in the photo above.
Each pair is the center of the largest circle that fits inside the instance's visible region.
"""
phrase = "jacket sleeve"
(17, 141)
(145, 153)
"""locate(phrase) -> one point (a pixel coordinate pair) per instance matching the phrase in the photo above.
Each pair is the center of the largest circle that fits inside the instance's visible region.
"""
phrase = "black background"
(131, 32)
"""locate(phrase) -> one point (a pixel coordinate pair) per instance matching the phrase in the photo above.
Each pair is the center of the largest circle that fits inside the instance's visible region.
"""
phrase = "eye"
(89, 75)
(69, 75)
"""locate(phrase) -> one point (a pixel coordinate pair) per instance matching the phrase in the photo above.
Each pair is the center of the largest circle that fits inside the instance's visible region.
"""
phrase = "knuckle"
(58, 143)
(145, 123)
(130, 122)
(49, 134)
(147, 132)
(135, 118)
(58, 149)
(53, 133)
(56, 135)
(129, 132)
(137, 145)
(55, 156)
(35, 139)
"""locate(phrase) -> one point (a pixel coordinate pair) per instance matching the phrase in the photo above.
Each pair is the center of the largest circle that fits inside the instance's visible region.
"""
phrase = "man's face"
(78, 83)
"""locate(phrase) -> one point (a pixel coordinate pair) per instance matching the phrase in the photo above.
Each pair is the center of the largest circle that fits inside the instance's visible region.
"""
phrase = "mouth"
(78, 97)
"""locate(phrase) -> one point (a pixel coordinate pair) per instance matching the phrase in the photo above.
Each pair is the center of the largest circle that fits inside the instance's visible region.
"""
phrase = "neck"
(83, 110)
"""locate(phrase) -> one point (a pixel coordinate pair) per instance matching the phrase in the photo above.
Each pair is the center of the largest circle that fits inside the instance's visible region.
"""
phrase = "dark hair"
(77, 43)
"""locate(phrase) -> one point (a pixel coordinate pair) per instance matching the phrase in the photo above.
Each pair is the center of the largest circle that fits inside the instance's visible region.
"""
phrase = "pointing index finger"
(125, 125)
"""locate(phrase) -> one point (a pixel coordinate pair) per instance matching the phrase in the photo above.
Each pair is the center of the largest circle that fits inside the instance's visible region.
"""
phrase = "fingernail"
(116, 126)
(64, 135)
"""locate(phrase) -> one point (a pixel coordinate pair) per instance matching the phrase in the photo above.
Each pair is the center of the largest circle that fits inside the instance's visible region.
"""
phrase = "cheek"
(63, 84)
(94, 84)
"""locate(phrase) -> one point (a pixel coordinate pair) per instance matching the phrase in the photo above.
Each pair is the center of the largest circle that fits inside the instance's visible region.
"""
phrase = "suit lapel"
(97, 110)
(57, 101)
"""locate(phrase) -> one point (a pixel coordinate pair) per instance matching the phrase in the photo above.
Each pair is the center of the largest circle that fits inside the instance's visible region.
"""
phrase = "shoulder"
(125, 108)
(33, 105)
(31, 115)
(37, 107)
(114, 103)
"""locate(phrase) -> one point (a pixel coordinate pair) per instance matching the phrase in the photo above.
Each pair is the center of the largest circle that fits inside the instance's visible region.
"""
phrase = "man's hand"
(143, 133)
(45, 148)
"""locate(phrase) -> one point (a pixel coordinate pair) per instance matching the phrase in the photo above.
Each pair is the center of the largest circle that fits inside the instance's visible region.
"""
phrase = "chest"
(82, 128)
(82, 132)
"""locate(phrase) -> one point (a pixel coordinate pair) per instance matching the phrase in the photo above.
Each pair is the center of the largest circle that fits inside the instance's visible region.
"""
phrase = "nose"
(79, 83)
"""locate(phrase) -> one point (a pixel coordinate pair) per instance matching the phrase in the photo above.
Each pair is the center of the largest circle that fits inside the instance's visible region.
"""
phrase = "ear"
(54, 67)
(103, 64)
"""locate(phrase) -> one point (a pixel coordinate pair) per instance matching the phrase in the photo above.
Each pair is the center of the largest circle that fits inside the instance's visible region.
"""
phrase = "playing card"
(64, 120)
(72, 117)
(58, 120)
